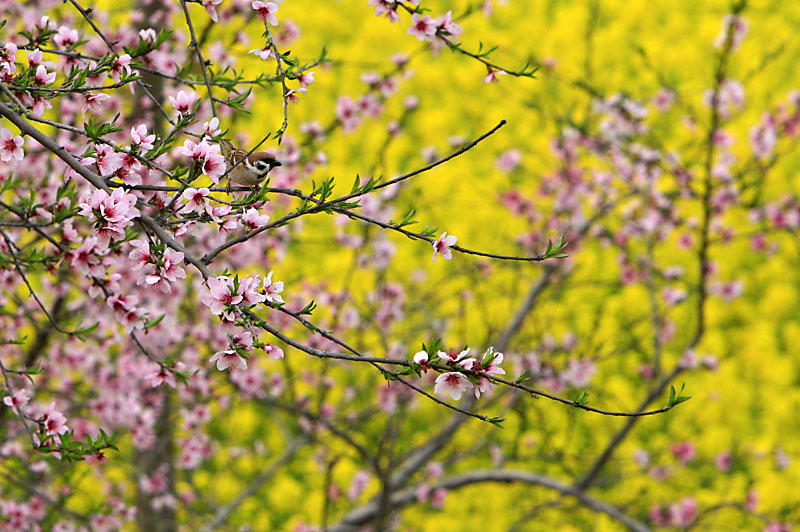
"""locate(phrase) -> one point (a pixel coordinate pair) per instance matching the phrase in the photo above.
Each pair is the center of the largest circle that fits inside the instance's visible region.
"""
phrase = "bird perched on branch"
(252, 169)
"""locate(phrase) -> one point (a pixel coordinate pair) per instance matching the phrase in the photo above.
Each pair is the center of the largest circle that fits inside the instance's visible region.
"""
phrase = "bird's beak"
(277, 163)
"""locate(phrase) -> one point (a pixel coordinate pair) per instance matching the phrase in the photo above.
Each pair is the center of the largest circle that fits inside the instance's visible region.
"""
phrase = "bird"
(252, 170)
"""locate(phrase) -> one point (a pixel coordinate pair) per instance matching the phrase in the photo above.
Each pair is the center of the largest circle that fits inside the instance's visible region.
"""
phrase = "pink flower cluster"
(207, 156)
(8, 58)
(389, 8)
(159, 268)
(455, 383)
(681, 513)
(223, 295)
(110, 213)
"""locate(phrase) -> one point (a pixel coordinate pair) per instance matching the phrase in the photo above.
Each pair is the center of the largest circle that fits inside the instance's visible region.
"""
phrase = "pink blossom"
(509, 160)
(274, 351)
(453, 357)
(452, 383)
(219, 295)
(763, 137)
(40, 104)
(212, 162)
(683, 512)
(777, 527)
(93, 102)
(493, 75)
(273, 290)
(447, 26)
(684, 451)
(664, 99)
(423, 28)
(211, 8)
(688, 360)
(358, 485)
(264, 53)
(141, 255)
(167, 270)
(723, 461)
(347, 113)
(148, 35)
(266, 11)
(211, 128)
(442, 246)
(490, 364)
(385, 7)
(578, 373)
(228, 358)
(438, 497)
(306, 78)
(248, 287)
(140, 139)
(43, 77)
(10, 146)
(196, 199)
(54, 421)
(183, 102)
(162, 375)
(65, 37)
(292, 95)
(86, 259)
(733, 27)
(251, 219)
(111, 214)
(108, 161)
(18, 400)
(119, 65)
(673, 296)
(421, 358)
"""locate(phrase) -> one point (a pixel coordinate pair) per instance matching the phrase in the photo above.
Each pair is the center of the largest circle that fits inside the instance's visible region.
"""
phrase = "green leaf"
(583, 400)
(153, 322)
(677, 398)
(496, 421)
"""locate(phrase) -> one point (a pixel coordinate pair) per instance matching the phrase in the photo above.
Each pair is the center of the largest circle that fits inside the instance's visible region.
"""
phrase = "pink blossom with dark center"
(119, 65)
(251, 219)
(43, 77)
(684, 451)
(54, 421)
(452, 383)
(140, 139)
(19, 399)
(442, 246)
(65, 37)
(274, 351)
(266, 11)
(272, 290)
(93, 102)
(183, 102)
(10, 146)
(227, 358)
(385, 7)
(422, 27)
(218, 296)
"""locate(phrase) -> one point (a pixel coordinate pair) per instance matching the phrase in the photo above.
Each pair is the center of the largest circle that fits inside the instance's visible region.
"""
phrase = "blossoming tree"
(167, 331)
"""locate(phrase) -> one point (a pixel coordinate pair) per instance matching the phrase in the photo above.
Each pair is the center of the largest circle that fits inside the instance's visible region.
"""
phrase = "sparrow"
(252, 170)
